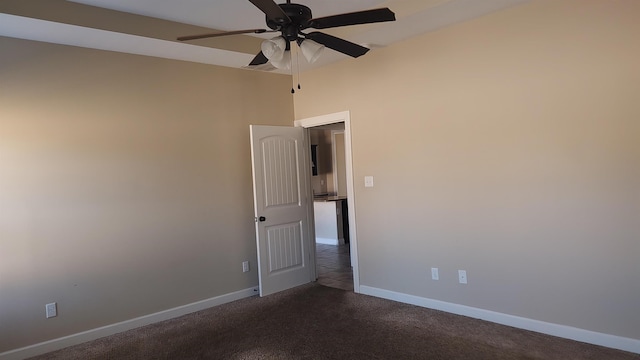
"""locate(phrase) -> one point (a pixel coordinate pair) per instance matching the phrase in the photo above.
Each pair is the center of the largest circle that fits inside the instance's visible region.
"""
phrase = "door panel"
(285, 247)
(280, 203)
(279, 161)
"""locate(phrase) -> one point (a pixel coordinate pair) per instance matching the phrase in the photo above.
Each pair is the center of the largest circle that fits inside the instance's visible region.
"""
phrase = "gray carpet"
(317, 322)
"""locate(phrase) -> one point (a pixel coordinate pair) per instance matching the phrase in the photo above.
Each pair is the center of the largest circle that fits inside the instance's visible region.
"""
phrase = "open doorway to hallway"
(333, 253)
(342, 118)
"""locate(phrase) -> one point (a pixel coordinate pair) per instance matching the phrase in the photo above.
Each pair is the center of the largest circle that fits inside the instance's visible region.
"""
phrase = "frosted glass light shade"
(284, 62)
(311, 50)
(273, 49)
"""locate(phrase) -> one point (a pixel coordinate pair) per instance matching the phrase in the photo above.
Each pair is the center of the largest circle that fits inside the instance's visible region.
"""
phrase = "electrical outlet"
(462, 276)
(245, 266)
(51, 310)
(434, 274)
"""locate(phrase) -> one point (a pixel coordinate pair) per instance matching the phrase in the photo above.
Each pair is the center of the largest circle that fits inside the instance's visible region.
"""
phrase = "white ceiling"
(224, 14)
(414, 17)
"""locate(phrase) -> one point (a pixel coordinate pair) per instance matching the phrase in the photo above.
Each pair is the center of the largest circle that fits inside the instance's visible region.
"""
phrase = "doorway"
(328, 182)
(338, 257)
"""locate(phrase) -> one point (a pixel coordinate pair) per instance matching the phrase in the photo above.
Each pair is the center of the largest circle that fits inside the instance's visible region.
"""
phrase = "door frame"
(343, 116)
(334, 159)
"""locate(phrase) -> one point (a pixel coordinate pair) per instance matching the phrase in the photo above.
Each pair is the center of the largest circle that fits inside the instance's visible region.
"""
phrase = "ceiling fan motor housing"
(299, 15)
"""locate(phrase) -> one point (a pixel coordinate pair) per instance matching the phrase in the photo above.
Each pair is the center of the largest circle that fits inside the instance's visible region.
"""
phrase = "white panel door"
(281, 198)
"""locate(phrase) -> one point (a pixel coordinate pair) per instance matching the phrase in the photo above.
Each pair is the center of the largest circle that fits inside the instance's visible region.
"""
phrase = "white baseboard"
(56, 344)
(563, 331)
(327, 241)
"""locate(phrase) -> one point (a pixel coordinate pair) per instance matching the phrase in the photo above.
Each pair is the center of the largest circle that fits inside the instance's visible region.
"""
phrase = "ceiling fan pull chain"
(293, 80)
(298, 65)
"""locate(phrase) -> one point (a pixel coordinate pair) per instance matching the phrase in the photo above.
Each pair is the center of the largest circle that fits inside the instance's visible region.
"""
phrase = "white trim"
(311, 224)
(334, 160)
(58, 33)
(327, 241)
(323, 120)
(344, 116)
(563, 331)
(74, 339)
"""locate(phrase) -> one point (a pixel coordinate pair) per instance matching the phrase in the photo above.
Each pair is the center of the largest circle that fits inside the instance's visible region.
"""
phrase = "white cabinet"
(328, 222)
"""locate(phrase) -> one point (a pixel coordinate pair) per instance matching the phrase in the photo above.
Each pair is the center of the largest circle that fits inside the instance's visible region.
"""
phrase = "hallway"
(334, 266)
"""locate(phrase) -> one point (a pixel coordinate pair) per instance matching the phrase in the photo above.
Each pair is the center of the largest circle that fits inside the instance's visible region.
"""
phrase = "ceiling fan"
(290, 20)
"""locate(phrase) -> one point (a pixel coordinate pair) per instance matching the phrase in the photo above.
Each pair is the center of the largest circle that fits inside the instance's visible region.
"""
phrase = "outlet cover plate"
(462, 276)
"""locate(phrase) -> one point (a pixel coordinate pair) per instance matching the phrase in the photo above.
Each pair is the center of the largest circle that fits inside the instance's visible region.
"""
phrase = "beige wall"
(514, 154)
(125, 184)
(512, 151)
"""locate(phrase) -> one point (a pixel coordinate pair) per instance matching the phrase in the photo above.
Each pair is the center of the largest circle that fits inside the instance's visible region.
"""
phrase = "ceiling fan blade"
(337, 44)
(272, 10)
(259, 59)
(354, 18)
(210, 35)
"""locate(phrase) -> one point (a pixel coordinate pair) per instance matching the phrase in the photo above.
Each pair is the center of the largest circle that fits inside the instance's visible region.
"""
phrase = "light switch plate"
(434, 274)
(51, 310)
(368, 181)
